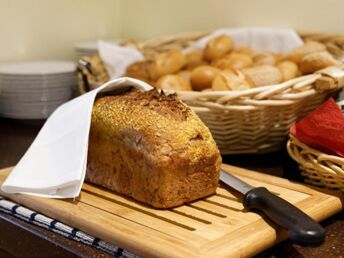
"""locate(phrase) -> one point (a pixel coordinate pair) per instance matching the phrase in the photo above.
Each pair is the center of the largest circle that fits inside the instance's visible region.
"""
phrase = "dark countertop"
(27, 240)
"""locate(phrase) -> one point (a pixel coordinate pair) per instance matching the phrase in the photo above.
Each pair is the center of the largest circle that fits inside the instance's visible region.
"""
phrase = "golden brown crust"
(263, 75)
(153, 148)
(316, 61)
(264, 58)
(202, 77)
(167, 63)
(231, 79)
(218, 47)
(288, 69)
(233, 60)
(309, 47)
(173, 82)
(194, 59)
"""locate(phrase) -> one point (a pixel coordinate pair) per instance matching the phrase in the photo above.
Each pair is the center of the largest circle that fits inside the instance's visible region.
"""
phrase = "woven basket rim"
(318, 153)
(250, 99)
(318, 168)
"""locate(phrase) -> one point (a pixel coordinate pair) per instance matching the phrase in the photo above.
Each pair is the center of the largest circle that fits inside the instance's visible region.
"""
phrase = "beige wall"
(150, 18)
(45, 29)
(49, 28)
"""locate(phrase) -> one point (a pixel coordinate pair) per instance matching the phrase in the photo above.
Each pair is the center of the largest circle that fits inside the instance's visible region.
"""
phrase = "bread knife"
(302, 229)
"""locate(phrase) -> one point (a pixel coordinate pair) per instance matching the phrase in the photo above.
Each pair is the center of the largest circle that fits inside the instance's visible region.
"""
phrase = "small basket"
(318, 168)
(251, 121)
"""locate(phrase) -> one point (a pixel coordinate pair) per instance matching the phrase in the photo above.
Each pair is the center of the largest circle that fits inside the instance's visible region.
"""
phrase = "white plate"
(38, 68)
(92, 45)
(19, 80)
(28, 112)
(33, 76)
(42, 81)
(82, 52)
(45, 97)
(36, 84)
(27, 106)
(35, 91)
(41, 114)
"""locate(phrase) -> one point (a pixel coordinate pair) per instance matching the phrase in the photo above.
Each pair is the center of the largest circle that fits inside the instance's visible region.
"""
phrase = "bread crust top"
(158, 124)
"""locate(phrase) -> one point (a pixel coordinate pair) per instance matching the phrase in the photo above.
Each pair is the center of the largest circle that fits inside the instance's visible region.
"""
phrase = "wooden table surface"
(25, 240)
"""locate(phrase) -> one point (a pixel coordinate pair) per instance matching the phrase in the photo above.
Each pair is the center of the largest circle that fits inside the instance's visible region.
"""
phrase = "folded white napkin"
(55, 164)
(118, 58)
(259, 39)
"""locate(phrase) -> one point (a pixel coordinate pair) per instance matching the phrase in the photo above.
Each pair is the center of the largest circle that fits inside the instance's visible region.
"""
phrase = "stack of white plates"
(89, 48)
(33, 90)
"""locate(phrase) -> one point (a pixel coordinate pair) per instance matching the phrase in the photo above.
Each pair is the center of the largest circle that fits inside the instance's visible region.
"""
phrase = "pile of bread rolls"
(221, 66)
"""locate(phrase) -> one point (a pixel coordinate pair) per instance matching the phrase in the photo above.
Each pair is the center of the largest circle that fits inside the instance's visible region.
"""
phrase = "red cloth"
(322, 129)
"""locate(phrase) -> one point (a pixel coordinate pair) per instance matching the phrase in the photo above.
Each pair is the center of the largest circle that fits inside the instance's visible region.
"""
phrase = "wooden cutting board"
(216, 226)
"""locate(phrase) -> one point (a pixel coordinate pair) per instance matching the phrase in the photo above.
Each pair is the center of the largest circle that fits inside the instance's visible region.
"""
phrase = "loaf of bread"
(231, 79)
(316, 61)
(218, 47)
(202, 77)
(233, 60)
(288, 69)
(173, 82)
(263, 75)
(194, 59)
(153, 148)
(265, 58)
(309, 47)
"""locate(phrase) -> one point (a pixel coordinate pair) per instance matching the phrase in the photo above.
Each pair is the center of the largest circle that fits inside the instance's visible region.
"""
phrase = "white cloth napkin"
(259, 39)
(118, 58)
(55, 164)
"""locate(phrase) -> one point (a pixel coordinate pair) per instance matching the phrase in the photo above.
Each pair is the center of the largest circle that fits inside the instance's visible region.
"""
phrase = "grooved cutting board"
(216, 226)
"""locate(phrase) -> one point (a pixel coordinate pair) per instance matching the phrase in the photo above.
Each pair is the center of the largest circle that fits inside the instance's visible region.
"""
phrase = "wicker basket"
(250, 121)
(318, 168)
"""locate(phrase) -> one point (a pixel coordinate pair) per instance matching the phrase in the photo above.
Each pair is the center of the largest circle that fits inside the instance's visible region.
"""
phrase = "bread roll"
(264, 58)
(309, 47)
(231, 80)
(316, 61)
(203, 76)
(140, 70)
(153, 148)
(194, 59)
(167, 63)
(173, 82)
(263, 75)
(244, 50)
(185, 74)
(218, 47)
(288, 69)
(234, 60)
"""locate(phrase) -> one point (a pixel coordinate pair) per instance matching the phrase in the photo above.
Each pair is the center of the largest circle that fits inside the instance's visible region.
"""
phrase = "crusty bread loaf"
(263, 75)
(173, 82)
(202, 77)
(288, 69)
(218, 47)
(316, 61)
(233, 60)
(231, 79)
(153, 148)
(309, 47)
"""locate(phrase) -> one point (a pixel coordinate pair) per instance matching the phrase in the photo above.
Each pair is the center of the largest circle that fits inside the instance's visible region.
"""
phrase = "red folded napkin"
(322, 129)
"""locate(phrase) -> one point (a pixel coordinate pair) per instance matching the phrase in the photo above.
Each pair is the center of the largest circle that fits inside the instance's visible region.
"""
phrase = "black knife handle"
(302, 229)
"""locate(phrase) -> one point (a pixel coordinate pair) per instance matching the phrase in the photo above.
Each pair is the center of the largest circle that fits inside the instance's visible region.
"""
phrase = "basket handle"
(332, 78)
